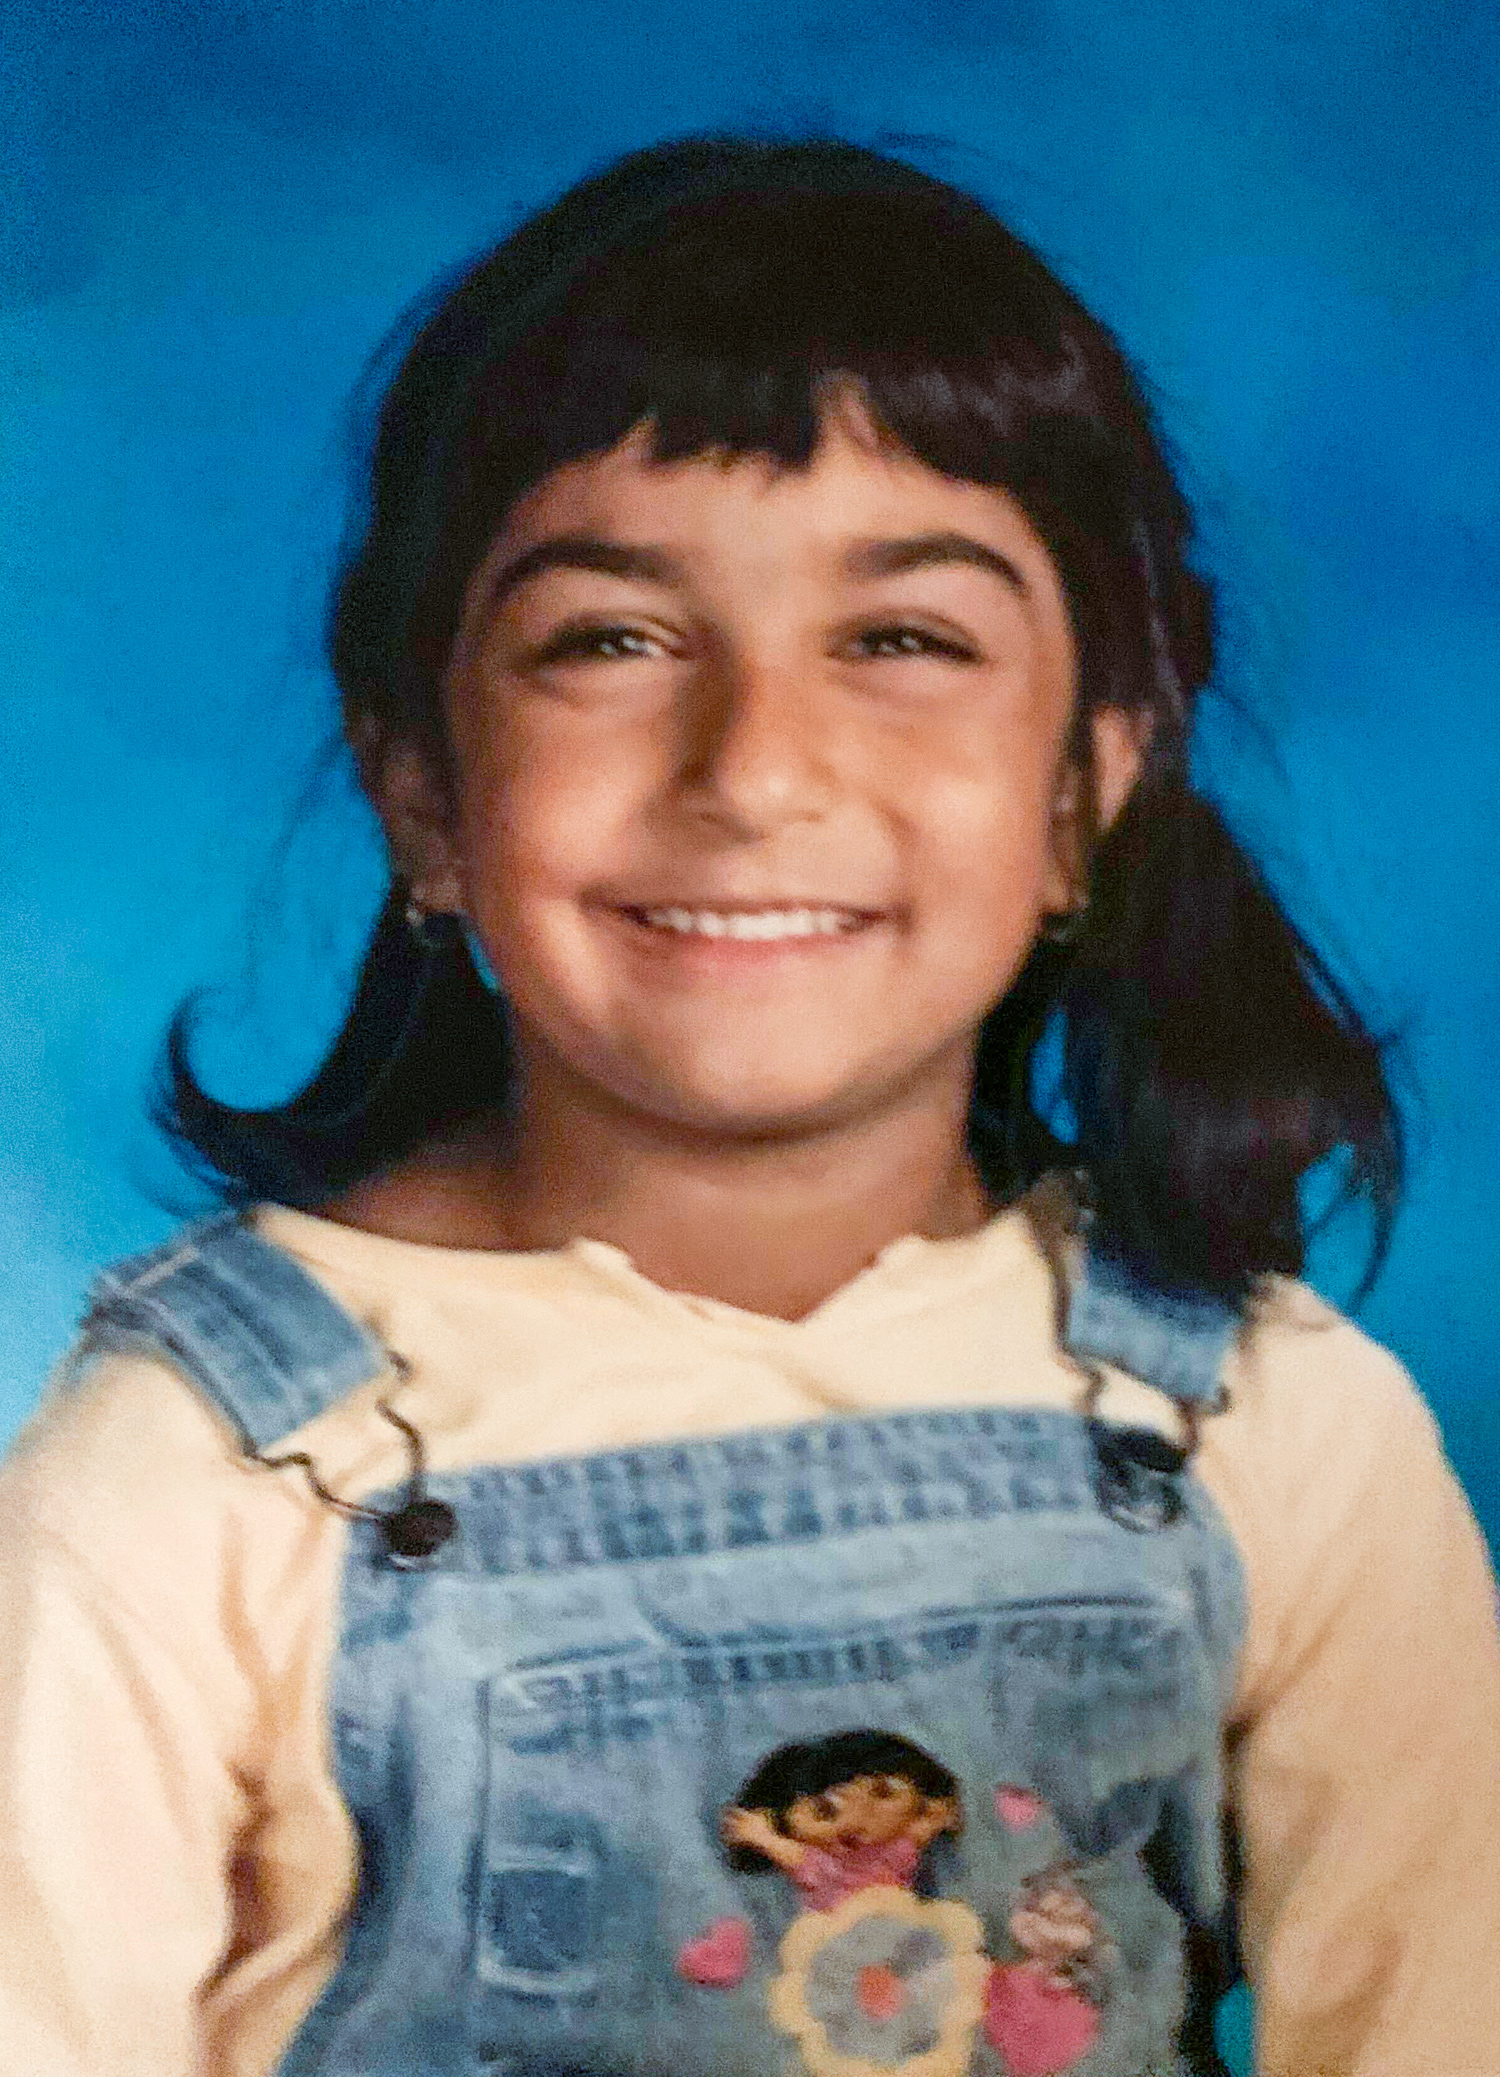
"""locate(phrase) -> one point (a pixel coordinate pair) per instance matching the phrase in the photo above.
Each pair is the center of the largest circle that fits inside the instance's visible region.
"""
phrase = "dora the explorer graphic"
(876, 1979)
(849, 1812)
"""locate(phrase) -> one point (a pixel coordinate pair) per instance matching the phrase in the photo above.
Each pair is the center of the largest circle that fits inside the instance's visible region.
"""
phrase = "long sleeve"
(174, 1863)
(1366, 1763)
(116, 1822)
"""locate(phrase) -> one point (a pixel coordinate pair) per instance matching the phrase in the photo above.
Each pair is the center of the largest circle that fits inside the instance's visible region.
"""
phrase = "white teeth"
(763, 924)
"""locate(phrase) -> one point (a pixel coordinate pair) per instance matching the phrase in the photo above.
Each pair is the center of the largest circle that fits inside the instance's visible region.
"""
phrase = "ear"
(1120, 740)
(1119, 748)
(412, 802)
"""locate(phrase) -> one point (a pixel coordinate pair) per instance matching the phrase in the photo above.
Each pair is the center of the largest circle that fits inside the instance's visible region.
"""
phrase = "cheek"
(992, 857)
(995, 787)
(540, 819)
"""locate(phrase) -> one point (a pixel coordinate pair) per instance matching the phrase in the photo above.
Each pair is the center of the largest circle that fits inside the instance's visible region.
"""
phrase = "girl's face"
(870, 1810)
(761, 791)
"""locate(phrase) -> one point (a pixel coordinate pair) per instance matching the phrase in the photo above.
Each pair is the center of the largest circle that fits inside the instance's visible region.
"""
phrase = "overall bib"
(607, 1747)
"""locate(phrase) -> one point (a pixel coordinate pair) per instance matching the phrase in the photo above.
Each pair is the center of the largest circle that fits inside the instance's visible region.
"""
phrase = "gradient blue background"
(1290, 212)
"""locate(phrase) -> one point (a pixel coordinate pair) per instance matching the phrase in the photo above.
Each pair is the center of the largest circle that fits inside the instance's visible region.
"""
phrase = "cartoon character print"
(877, 1980)
(854, 1811)
(1042, 2011)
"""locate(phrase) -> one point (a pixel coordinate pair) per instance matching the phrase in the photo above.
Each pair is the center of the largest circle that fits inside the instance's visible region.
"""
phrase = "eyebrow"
(584, 552)
(870, 559)
(865, 561)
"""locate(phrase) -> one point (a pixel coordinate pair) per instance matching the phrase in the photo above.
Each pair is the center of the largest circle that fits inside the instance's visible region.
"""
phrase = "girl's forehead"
(858, 494)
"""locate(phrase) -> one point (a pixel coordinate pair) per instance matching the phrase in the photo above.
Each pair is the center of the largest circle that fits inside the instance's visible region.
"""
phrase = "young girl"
(665, 1332)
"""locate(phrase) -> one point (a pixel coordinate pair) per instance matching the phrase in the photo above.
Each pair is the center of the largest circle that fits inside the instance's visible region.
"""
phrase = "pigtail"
(422, 1047)
(1211, 1059)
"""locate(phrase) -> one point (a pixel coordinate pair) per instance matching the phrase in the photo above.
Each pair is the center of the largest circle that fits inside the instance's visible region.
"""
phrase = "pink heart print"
(1040, 2026)
(1018, 1809)
(718, 1957)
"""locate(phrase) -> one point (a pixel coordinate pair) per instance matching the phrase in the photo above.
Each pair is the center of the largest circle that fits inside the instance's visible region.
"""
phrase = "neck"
(774, 1225)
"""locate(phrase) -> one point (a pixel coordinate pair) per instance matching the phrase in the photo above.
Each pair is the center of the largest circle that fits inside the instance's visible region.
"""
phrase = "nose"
(757, 748)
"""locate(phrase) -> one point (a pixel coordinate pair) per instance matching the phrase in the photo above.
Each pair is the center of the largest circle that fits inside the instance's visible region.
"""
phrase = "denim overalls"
(559, 1733)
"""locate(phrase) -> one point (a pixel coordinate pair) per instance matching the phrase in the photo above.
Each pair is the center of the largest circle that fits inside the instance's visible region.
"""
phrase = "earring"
(1065, 926)
(430, 928)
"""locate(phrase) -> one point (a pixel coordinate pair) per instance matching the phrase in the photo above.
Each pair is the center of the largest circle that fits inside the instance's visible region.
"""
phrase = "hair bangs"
(739, 328)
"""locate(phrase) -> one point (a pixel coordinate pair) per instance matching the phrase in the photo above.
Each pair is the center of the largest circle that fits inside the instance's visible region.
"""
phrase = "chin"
(739, 1120)
(745, 1110)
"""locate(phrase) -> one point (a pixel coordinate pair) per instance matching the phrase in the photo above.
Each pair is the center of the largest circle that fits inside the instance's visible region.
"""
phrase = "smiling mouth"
(758, 926)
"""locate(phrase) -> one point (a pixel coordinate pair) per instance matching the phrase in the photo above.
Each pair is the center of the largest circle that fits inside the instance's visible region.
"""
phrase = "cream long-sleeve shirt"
(175, 1861)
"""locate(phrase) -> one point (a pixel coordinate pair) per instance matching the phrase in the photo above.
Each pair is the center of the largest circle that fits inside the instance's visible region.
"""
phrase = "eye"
(900, 639)
(826, 1808)
(597, 644)
(884, 1786)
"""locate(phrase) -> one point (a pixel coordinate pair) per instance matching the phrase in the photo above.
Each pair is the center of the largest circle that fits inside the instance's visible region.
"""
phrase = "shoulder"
(126, 1453)
(238, 1314)
(1305, 1387)
(1325, 1460)
(146, 1554)
(134, 1485)
(114, 1425)
(120, 1416)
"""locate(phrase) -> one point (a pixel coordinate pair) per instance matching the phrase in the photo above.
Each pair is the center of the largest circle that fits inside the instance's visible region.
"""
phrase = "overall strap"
(1176, 1341)
(246, 1323)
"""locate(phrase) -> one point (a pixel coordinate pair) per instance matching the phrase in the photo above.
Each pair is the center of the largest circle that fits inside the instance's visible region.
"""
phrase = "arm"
(754, 1828)
(1366, 1769)
(116, 1819)
(174, 1865)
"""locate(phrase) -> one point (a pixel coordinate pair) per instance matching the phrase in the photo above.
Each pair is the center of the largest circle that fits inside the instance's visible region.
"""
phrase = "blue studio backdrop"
(1290, 212)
